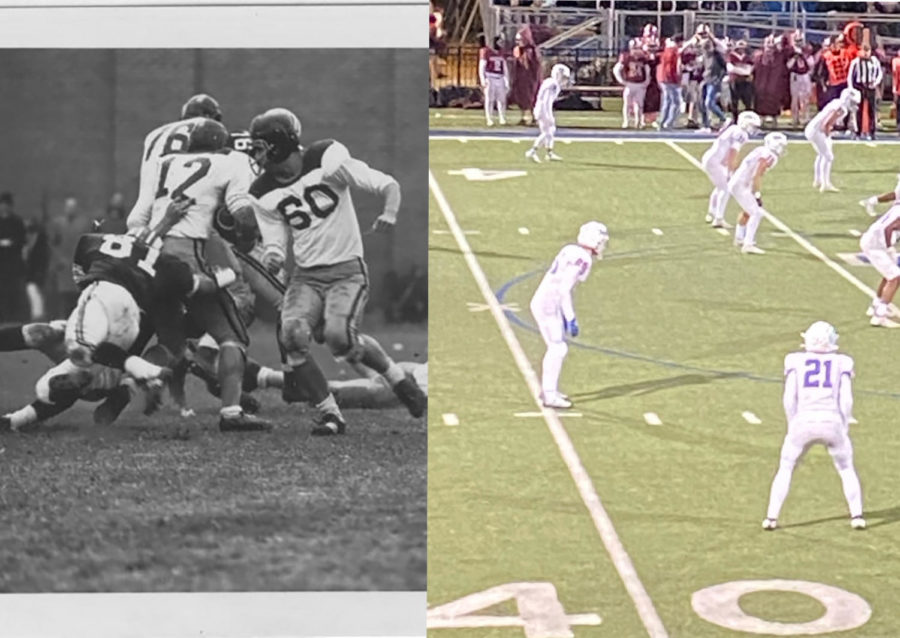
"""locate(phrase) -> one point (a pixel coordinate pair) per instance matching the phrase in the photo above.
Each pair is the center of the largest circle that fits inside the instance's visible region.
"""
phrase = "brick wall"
(73, 121)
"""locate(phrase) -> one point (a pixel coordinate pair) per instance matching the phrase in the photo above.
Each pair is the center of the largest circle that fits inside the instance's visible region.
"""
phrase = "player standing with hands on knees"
(543, 111)
(818, 132)
(877, 244)
(818, 403)
(720, 160)
(744, 186)
(552, 306)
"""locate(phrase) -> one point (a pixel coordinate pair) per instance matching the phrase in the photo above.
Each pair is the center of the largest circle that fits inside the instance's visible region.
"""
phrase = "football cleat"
(531, 154)
(555, 400)
(243, 423)
(329, 424)
(721, 223)
(858, 522)
(502, 121)
(869, 206)
(769, 524)
(114, 404)
(490, 122)
(752, 249)
(553, 157)
(829, 188)
(883, 322)
(411, 395)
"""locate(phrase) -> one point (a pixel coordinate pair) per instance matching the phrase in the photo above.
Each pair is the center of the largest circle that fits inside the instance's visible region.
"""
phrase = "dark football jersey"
(145, 272)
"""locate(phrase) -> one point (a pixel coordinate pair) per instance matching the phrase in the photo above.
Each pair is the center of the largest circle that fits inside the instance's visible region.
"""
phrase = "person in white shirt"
(877, 244)
(818, 132)
(720, 160)
(543, 111)
(552, 306)
(744, 186)
(818, 403)
(493, 73)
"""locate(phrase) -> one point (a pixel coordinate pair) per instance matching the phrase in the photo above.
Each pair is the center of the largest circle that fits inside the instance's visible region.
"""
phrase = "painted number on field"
(541, 614)
(720, 605)
(478, 175)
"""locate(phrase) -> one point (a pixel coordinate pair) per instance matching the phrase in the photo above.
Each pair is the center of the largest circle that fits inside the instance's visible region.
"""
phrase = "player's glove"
(571, 326)
(224, 277)
(384, 222)
(758, 197)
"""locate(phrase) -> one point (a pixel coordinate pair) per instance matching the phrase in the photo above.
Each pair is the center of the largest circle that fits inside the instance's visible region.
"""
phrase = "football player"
(877, 244)
(123, 278)
(210, 175)
(818, 403)
(818, 132)
(552, 307)
(304, 194)
(494, 76)
(744, 186)
(891, 196)
(632, 70)
(720, 160)
(162, 141)
(543, 112)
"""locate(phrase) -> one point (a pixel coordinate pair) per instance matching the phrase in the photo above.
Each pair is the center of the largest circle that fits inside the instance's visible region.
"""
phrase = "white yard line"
(751, 418)
(450, 419)
(602, 522)
(652, 418)
(828, 261)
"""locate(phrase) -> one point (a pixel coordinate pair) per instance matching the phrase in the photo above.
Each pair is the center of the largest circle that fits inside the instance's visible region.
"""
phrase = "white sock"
(231, 411)
(752, 226)
(781, 485)
(329, 406)
(207, 341)
(713, 199)
(826, 171)
(394, 374)
(817, 169)
(266, 378)
(881, 308)
(552, 367)
(739, 232)
(23, 416)
(852, 490)
(721, 202)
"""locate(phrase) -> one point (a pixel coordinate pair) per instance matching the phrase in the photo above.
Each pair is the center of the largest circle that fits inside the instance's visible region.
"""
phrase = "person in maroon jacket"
(633, 72)
(668, 75)
(526, 73)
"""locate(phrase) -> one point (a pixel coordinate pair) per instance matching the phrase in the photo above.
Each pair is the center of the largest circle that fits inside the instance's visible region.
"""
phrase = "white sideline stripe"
(652, 418)
(836, 267)
(656, 231)
(541, 414)
(751, 418)
(602, 522)
(621, 140)
(450, 419)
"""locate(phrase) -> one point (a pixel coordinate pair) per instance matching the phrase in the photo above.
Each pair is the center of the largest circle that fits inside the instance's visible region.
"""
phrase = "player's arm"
(789, 400)
(338, 167)
(617, 72)
(889, 231)
(831, 121)
(571, 273)
(762, 166)
(140, 212)
(731, 160)
(845, 396)
(482, 65)
(273, 232)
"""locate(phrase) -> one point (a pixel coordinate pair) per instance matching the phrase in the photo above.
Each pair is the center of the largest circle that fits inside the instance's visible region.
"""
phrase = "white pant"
(633, 98)
(718, 175)
(105, 312)
(547, 126)
(810, 428)
(883, 259)
(821, 142)
(549, 318)
(495, 95)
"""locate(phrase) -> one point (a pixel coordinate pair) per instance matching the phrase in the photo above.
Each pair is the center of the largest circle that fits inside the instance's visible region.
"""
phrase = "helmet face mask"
(749, 122)
(776, 142)
(275, 135)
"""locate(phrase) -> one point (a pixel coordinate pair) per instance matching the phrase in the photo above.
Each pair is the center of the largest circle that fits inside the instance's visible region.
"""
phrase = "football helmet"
(776, 142)
(201, 105)
(594, 236)
(206, 136)
(851, 97)
(749, 121)
(275, 135)
(820, 337)
(560, 73)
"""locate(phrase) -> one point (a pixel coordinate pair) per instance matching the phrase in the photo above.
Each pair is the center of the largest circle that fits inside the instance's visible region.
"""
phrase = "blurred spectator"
(65, 230)
(820, 75)
(838, 65)
(800, 64)
(12, 262)
(740, 76)
(37, 262)
(714, 68)
(865, 75)
(771, 80)
(651, 47)
(691, 77)
(632, 71)
(114, 219)
(668, 75)
(435, 41)
(895, 85)
(526, 74)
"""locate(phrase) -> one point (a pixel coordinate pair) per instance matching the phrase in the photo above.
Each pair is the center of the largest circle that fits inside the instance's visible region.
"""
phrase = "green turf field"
(674, 322)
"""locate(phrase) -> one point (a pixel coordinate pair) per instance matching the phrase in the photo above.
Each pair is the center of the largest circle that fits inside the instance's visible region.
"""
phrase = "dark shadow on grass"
(882, 517)
(486, 253)
(630, 167)
(648, 387)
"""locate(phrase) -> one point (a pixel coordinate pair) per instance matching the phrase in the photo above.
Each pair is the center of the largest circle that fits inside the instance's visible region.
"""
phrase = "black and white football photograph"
(213, 311)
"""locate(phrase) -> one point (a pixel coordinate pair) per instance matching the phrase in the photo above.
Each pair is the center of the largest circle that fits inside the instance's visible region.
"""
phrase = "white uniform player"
(744, 187)
(818, 132)
(818, 403)
(877, 244)
(891, 196)
(494, 76)
(552, 306)
(543, 111)
(720, 160)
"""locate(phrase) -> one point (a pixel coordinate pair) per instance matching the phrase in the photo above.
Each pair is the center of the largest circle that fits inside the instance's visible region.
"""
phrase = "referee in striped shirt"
(865, 75)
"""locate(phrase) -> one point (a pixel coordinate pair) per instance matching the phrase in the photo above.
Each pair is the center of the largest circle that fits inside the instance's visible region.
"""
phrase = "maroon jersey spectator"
(771, 80)
(740, 76)
(634, 66)
(526, 73)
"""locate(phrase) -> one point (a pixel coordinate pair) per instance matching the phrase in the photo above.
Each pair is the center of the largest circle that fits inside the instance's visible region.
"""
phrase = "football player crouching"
(123, 279)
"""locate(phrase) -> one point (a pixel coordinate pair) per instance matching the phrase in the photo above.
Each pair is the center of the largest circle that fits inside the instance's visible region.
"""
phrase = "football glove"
(224, 277)
(571, 326)
(758, 197)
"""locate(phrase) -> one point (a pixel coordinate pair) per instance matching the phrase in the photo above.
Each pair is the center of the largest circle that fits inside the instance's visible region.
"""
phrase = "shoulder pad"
(325, 154)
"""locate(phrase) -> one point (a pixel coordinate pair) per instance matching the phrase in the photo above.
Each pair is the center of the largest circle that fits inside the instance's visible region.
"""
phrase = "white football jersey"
(733, 137)
(746, 171)
(819, 378)
(316, 207)
(554, 293)
(547, 94)
(818, 122)
(874, 235)
(210, 179)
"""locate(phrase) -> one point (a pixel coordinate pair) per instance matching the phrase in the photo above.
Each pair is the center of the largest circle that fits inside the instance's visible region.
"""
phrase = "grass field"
(168, 504)
(675, 322)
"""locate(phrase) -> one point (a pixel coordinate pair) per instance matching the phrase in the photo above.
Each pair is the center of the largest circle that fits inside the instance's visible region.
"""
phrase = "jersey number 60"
(293, 209)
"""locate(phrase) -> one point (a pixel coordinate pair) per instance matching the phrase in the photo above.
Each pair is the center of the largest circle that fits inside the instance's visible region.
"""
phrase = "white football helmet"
(776, 142)
(851, 97)
(593, 235)
(820, 337)
(560, 73)
(749, 121)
